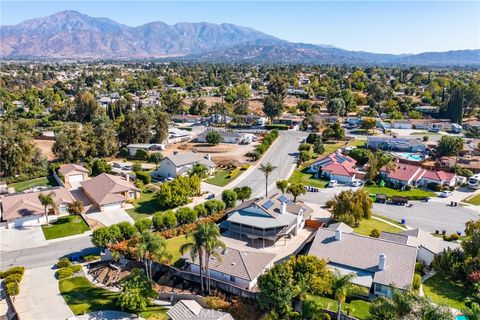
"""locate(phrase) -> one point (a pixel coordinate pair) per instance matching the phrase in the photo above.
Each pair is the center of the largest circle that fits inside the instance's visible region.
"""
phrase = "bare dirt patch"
(45, 147)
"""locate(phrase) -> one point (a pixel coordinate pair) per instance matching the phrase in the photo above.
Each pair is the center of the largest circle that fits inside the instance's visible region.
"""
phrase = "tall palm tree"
(47, 200)
(198, 170)
(197, 249)
(267, 169)
(342, 288)
(149, 247)
(212, 244)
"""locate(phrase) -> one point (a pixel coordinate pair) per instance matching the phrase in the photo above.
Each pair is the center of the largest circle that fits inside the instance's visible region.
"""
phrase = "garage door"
(29, 221)
(76, 178)
(112, 206)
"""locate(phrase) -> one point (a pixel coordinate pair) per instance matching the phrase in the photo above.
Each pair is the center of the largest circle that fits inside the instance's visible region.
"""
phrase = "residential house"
(3, 187)
(186, 118)
(179, 163)
(192, 310)
(432, 124)
(266, 220)
(411, 175)
(25, 209)
(234, 267)
(252, 119)
(378, 264)
(428, 245)
(297, 92)
(343, 227)
(227, 136)
(71, 175)
(335, 166)
(396, 144)
(289, 120)
(134, 147)
(401, 124)
(471, 123)
(218, 118)
(109, 192)
(431, 110)
(176, 135)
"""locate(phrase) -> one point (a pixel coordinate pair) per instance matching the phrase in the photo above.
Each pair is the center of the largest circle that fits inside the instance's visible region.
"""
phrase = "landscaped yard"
(144, 207)
(222, 177)
(360, 307)
(444, 292)
(473, 200)
(64, 227)
(414, 193)
(366, 226)
(83, 297)
(306, 178)
(40, 182)
(173, 247)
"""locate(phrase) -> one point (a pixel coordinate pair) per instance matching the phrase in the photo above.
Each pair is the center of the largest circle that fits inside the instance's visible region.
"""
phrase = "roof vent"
(338, 234)
(233, 263)
(382, 259)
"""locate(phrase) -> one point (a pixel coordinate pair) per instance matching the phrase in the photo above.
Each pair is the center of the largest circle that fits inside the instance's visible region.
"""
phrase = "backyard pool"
(415, 157)
(462, 317)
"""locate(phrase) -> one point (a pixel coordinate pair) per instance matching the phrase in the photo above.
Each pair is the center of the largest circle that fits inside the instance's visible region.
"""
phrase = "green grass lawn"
(40, 182)
(473, 200)
(301, 175)
(391, 220)
(444, 292)
(83, 297)
(222, 177)
(144, 207)
(64, 227)
(360, 307)
(414, 193)
(173, 247)
(366, 226)
(331, 146)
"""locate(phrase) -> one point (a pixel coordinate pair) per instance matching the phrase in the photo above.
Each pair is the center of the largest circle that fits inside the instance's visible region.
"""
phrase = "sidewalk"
(40, 296)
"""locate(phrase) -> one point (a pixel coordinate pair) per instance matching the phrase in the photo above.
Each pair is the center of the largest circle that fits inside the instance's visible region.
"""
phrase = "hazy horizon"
(380, 26)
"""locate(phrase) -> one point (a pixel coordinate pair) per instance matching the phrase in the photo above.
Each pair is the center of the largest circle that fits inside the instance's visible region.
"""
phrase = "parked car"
(210, 196)
(332, 183)
(356, 183)
(446, 194)
(127, 167)
(117, 165)
(400, 201)
(381, 198)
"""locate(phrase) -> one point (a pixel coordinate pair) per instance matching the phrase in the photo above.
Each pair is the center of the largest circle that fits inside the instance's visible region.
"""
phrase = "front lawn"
(222, 177)
(413, 194)
(359, 307)
(39, 182)
(173, 247)
(64, 227)
(445, 292)
(144, 207)
(301, 175)
(366, 226)
(83, 297)
(473, 200)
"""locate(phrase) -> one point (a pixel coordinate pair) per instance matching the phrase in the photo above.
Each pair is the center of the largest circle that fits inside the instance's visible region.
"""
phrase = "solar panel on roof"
(284, 199)
(268, 204)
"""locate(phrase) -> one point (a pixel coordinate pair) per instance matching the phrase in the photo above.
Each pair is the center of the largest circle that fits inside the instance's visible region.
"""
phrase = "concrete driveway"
(107, 315)
(109, 217)
(40, 296)
(21, 238)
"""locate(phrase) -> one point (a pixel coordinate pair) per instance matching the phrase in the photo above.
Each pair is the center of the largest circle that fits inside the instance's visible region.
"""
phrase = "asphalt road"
(45, 256)
(283, 155)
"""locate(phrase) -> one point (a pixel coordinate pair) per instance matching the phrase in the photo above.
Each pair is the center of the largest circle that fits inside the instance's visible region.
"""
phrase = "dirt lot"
(45, 147)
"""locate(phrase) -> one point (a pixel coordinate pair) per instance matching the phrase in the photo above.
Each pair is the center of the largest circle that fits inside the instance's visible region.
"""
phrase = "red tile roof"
(337, 164)
(404, 172)
(439, 175)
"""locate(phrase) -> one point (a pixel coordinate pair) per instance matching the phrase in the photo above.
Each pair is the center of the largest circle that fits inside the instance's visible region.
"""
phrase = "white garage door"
(29, 221)
(76, 178)
(112, 206)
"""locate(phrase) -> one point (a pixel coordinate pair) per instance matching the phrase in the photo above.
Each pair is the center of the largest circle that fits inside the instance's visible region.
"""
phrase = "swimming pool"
(462, 317)
(416, 157)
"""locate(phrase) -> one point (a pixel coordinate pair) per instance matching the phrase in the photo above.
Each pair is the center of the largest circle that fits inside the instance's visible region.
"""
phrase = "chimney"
(175, 153)
(381, 262)
(208, 156)
(338, 234)
(283, 208)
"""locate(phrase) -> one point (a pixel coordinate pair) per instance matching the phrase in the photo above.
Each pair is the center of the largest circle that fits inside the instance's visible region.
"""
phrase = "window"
(131, 194)
(380, 288)
(232, 279)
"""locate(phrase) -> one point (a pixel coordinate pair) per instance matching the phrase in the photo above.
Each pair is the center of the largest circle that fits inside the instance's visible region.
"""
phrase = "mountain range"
(72, 35)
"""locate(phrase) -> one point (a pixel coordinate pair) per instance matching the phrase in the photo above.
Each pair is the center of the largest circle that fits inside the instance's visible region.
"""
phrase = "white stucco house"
(179, 163)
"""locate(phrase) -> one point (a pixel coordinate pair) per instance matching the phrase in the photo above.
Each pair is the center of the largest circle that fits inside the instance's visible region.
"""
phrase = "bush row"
(267, 141)
(276, 127)
(67, 272)
(12, 278)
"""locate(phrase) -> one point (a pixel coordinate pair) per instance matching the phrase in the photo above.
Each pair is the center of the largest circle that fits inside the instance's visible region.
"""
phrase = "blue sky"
(376, 26)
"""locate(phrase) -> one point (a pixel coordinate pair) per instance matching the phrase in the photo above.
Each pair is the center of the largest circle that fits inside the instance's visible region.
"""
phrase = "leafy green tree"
(186, 215)
(455, 105)
(273, 106)
(86, 107)
(277, 86)
(127, 230)
(368, 123)
(47, 200)
(449, 146)
(136, 127)
(316, 140)
(137, 291)
(313, 310)
(213, 137)
(282, 185)
(172, 101)
(155, 157)
(229, 197)
(267, 169)
(336, 106)
(472, 312)
(100, 166)
(75, 207)
(164, 220)
(141, 154)
(296, 189)
(161, 127)
(342, 288)
(151, 246)
(198, 107)
(243, 193)
(69, 145)
(143, 224)
(351, 207)
(201, 210)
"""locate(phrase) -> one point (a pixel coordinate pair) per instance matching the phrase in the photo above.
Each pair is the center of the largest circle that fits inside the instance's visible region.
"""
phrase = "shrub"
(408, 188)
(12, 289)
(432, 185)
(186, 215)
(418, 267)
(63, 263)
(261, 148)
(139, 183)
(143, 176)
(425, 138)
(201, 210)
(417, 281)
(15, 277)
(370, 183)
(164, 220)
(12, 270)
(91, 257)
(143, 224)
(216, 303)
(67, 272)
(234, 173)
(245, 166)
(452, 237)
(213, 206)
(127, 230)
(141, 154)
(229, 197)
(123, 153)
(375, 233)
(276, 126)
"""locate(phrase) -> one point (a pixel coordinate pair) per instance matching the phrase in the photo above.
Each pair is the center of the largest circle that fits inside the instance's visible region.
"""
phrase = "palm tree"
(151, 246)
(267, 169)
(198, 170)
(47, 200)
(196, 249)
(212, 244)
(342, 288)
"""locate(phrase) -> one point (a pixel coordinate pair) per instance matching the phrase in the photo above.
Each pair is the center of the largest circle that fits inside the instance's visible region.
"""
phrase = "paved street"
(282, 154)
(44, 256)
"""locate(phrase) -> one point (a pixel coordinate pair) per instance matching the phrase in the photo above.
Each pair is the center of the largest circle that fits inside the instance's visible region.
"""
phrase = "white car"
(446, 194)
(332, 183)
(356, 183)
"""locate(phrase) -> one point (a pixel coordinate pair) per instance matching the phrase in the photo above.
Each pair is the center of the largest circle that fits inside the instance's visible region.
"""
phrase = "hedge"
(143, 176)
(234, 172)
(12, 270)
(16, 277)
(12, 289)
(276, 126)
(91, 257)
(67, 272)
(63, 263)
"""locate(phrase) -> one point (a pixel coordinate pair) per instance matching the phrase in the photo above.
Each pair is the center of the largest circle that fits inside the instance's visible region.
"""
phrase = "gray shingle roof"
(182, 159)
(241, 264)
(340, 226)
(363, 253)
(419, 237)
(191, 310)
